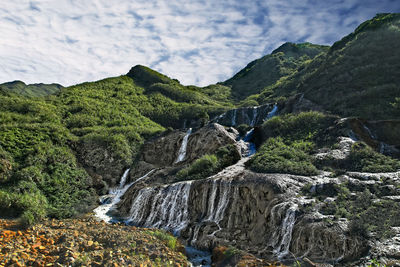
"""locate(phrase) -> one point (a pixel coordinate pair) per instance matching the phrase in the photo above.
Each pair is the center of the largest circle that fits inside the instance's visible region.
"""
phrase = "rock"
(163, 151)
(299, 103)
(342, 152)
(251, 116)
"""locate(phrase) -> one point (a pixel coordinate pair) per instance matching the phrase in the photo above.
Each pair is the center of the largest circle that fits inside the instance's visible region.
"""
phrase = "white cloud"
(198, 42)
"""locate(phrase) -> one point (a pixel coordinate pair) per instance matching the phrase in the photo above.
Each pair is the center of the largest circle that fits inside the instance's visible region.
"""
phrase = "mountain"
(31, 90)
(267, 70)
(357, 77)
(312, 173)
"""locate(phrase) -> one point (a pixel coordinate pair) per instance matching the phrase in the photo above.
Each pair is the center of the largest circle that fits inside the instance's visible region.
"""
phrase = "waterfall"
(234, 117)
(272, 112)
(369, 132)
(116, 195)
(123, 179)
(182, 149)
(283, 228)
(248, 148)
(217, 206)
(254, 120)
(161, 207)
(214, 206)
(115, 191)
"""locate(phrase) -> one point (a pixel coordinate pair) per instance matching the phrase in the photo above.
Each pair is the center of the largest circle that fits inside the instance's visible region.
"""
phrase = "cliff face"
(259, 213)
(164, 151)
(268, 215)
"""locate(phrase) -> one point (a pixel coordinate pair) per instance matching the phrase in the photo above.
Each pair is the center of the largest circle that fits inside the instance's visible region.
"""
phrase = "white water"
(114, 191)
(161, 207)
(234, 117)
(182, 149)
(272, 112)
(116, 195)
(198, 257)
(248, 148)
(283, 233)
(369, 132)
(254, 120)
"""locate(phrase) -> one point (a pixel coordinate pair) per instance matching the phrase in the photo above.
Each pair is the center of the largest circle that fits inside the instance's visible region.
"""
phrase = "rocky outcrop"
(272, 216)
(164, 151)
(381, 135)
(299, 103)
(104, 166)
(248, 115)
(259, 213)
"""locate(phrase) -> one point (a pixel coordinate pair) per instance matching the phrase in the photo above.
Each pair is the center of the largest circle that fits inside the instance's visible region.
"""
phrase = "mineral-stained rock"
(164, 150)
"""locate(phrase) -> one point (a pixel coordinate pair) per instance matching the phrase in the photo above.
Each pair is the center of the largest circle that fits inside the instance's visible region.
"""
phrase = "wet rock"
(164, 150)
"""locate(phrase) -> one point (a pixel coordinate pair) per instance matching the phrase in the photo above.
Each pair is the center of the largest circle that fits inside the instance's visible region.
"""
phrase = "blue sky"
(198, 41)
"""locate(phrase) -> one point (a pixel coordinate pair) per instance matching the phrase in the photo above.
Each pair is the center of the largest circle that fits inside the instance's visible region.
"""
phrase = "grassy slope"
(270, 68)
(357, 77)
(31, 90)
(40, 138)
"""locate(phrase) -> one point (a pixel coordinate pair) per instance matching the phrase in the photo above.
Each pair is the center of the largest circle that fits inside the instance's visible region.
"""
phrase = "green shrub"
(363, 158)
(208, 165)
(275, 156)
(230, 252)
(200, 168)
(305, 126)
(167, 238)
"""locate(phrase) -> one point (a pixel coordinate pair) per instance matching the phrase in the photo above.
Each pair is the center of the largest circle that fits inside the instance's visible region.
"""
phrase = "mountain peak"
(146, 76)
(380, 20)
(292, 49)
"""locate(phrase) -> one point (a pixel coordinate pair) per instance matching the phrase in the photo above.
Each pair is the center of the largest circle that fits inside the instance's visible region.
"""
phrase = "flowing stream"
(114, 197)
(272, 113)
(167, 206)
(182, 149)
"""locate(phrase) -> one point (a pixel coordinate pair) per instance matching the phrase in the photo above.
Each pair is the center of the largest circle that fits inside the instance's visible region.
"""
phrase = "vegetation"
(277, 157)
(208, 165)
(51, 137)
(269, 69)
(169, 240)
(363, 158)
(365, 214)
(290, 141)
(357, 77)
(43, 139)
(31, 90)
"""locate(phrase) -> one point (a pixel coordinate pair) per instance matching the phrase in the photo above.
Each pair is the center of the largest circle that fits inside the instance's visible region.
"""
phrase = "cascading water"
(369, 132)
(272, 113)
(254, 119)
(182, 149)
(251, 147)
(114, 191)
(283, 227)
(161, 207)
(116, 194)
(234, 117)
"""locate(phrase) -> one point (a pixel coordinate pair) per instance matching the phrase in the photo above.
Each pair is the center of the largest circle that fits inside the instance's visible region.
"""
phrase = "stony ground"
(86, 242)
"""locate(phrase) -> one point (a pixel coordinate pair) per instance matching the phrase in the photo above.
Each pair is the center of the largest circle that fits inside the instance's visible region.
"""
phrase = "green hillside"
(60, 147)
(56, 151)
(359, 76)
(269, 69)
(32, 90)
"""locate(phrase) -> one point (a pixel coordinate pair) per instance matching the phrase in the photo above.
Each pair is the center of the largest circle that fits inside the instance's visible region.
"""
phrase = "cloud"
(198, 42)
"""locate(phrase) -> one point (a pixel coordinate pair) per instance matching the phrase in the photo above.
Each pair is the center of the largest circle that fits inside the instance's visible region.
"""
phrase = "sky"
(198, 42)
